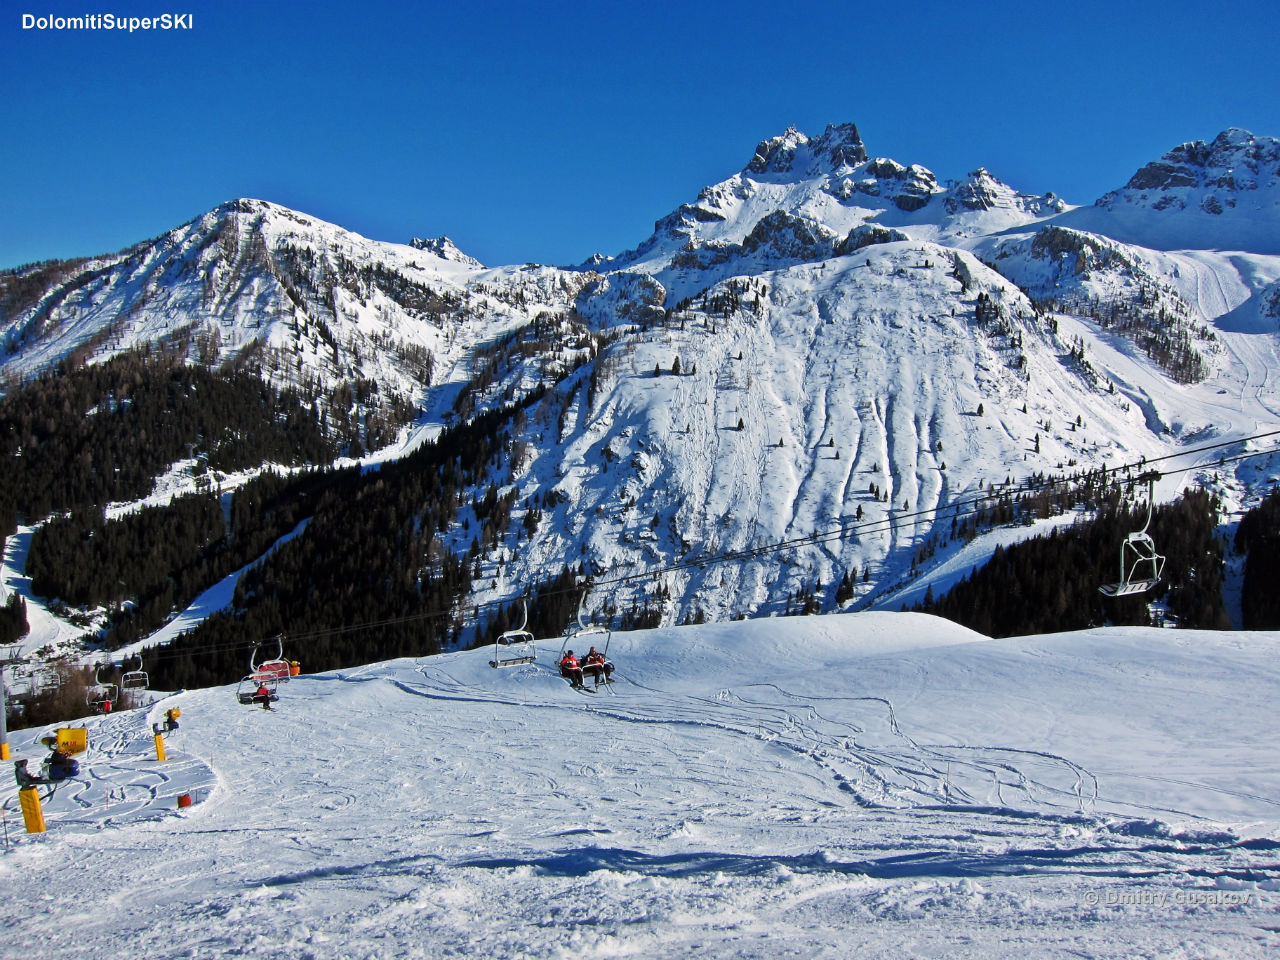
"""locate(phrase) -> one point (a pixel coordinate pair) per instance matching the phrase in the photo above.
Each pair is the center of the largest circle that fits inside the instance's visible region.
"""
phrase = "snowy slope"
(781, 788)
(829, 379)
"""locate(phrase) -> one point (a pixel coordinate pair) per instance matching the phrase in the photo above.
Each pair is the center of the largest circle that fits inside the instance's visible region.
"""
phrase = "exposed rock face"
(867, 235)
(916, 189)
(622, 297)
(777, 154)
(1235, 162)
(981, 191)
(1269, 303)
(839, 146)
(910, 188)
(780, 236)
(790, 237)
(445, 249)
(1087, 251)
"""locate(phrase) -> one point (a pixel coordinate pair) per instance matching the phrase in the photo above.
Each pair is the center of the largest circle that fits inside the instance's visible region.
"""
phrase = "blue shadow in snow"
(1098, 861)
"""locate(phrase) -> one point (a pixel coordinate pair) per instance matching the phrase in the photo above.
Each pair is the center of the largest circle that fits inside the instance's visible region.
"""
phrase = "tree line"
(95, 434)
(1258, 538)
(378, 573)
(145, 565)
(1050, 582)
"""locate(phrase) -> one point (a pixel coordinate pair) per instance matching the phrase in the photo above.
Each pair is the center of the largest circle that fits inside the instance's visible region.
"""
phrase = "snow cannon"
(68, 740)
(29, 798)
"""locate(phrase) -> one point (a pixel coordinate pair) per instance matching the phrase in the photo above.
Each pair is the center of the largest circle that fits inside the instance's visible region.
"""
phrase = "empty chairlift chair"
(515, 647)
(1140, 566)
(271, 671)
(135, 679)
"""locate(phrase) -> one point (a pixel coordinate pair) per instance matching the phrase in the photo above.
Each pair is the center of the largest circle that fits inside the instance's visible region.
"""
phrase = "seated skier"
(570, 669)
(263, 696)
(597, 666)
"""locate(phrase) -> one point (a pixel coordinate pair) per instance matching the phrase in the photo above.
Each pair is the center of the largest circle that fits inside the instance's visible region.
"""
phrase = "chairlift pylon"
(515, 647)
(1140, 566)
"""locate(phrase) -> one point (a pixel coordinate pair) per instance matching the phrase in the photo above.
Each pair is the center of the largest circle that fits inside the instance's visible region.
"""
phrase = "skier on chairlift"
(264, 696)
(571, 670)
(596, 665)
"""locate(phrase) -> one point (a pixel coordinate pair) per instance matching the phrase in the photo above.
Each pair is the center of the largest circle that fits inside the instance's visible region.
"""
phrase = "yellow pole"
(32, 815)
(159, 747)
(4, 751)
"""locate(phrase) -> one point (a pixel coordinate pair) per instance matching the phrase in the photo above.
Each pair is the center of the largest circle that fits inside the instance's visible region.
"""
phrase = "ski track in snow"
(748, 790)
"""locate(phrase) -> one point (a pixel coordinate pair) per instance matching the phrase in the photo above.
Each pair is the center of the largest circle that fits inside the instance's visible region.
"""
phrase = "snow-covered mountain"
(824, 335)
(303, 302)
(802, 200)
(822, 339)
(870, 386)
(1221, 195)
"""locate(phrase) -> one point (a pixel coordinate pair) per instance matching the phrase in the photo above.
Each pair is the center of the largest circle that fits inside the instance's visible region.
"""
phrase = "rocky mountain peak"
(840, 146)
(1234, 160)
(777, 154)
(980, 190)
(445, 249)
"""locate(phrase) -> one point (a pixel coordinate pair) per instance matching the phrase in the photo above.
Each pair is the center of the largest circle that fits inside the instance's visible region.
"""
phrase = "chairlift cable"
(968, 507)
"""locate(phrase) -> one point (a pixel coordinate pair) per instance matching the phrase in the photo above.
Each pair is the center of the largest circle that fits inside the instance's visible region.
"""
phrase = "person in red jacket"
(596, 665)
(570, 670)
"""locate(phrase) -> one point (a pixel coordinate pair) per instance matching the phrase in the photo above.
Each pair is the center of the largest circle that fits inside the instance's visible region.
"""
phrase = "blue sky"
(549, 131)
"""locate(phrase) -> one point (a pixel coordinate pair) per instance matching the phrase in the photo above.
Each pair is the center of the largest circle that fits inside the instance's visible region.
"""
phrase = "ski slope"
(882, 784)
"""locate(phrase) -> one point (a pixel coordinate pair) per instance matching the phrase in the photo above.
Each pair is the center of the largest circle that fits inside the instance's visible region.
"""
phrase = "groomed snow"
(878, 785)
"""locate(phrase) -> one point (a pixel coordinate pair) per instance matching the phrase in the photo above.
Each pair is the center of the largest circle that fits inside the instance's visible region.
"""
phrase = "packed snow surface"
(890, 784)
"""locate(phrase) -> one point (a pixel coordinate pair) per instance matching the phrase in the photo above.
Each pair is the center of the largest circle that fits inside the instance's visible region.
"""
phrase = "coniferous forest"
(1258, 538)
(89, 435)
(160, 558)
(1050, 583)
(374, 577)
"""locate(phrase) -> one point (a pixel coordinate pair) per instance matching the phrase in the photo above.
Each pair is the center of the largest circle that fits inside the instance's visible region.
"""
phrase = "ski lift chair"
(1140, 566)
(106, 695)
(247, 691)
(273, 671)
(135, 679)
(584, 634)
(515, 647)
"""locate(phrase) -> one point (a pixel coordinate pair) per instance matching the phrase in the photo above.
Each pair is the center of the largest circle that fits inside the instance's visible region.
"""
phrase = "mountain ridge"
(817, 336)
